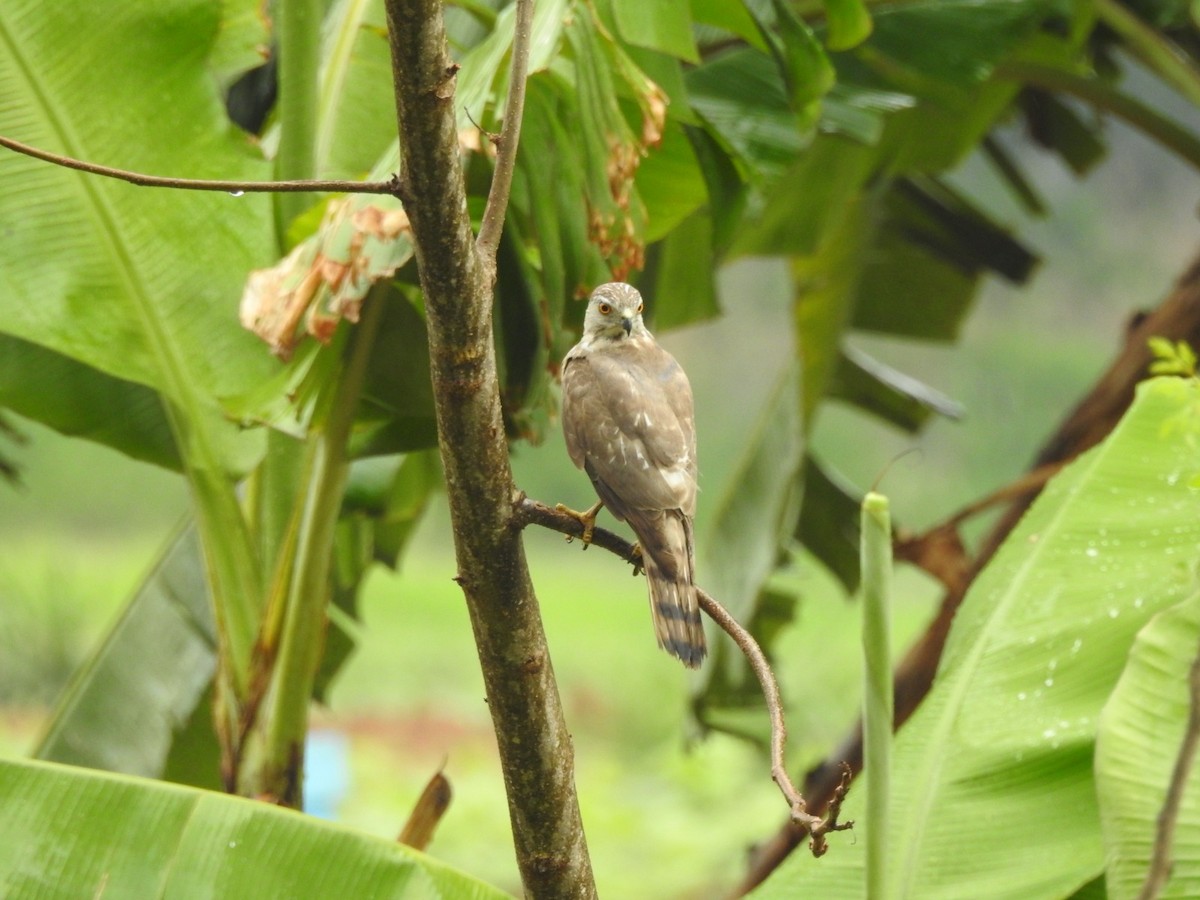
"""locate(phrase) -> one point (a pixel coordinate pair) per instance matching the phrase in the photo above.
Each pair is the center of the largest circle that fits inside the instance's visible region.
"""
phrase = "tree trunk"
(457, 280)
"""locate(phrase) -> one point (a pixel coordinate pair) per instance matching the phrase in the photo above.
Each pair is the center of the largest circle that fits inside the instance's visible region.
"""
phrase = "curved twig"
(390, 186)
(527, 511)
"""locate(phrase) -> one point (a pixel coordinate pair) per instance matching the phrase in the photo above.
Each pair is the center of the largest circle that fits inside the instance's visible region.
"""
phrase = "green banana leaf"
(1138, 741)
(126, 704)
(140, 284)
(994, 772)
(74, 833)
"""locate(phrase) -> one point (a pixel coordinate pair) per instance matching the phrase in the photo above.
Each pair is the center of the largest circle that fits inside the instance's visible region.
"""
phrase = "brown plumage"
(628, 420)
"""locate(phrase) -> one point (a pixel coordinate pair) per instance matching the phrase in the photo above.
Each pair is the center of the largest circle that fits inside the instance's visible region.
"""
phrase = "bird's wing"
(628, 413)
(578, 389)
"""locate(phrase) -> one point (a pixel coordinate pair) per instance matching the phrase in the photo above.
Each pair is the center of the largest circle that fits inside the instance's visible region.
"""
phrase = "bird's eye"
(640, 307)
(605, 309)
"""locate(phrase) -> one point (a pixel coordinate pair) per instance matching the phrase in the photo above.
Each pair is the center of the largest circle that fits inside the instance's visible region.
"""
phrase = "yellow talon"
(587, 519)
(636, 562)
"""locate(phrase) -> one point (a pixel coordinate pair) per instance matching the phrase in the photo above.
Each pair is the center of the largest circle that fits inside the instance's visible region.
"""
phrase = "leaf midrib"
(926, 784)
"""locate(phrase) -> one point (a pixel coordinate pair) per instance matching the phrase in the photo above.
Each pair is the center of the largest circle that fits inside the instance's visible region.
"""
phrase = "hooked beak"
(627, 324)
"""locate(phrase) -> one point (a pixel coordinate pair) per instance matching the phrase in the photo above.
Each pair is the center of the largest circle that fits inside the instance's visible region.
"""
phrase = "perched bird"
(628, 419)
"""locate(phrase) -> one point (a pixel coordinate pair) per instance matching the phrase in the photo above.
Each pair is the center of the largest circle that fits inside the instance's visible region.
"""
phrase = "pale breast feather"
(622, 418)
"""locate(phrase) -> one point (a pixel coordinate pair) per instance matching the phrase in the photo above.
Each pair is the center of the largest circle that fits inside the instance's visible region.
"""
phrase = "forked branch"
(531, 512)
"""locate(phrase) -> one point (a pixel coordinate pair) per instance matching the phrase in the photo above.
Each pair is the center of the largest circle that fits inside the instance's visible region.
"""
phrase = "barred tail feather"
(668, 557)
(676, 613)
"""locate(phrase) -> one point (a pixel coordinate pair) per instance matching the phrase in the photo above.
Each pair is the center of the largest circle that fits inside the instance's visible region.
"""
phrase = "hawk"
(628, 420)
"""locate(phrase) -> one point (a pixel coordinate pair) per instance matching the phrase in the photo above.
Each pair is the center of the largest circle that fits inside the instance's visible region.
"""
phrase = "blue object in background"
(326, 772)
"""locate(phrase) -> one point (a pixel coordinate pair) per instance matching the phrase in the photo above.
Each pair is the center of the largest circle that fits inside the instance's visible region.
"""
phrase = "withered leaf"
(361, 241)
(428, 811)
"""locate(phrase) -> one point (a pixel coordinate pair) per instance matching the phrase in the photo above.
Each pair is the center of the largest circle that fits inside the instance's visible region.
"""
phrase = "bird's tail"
(668, 559)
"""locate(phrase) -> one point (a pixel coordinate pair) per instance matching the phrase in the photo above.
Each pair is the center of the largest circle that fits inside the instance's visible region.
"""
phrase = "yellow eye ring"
(640, 307)
(605, 309)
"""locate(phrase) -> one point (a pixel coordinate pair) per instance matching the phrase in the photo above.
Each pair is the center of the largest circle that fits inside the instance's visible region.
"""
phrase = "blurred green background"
(667, 815)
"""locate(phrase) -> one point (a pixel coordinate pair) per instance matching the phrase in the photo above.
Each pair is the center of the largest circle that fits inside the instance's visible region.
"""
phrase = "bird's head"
(614, 312)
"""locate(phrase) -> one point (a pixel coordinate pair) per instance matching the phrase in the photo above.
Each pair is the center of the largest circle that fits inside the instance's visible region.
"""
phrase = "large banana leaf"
(140, 284)
(126, 704)
(356, 118)
(137, 705)
(994, 772)
(757, 508)
(73, 833)
(75, 399)
(1139, 739)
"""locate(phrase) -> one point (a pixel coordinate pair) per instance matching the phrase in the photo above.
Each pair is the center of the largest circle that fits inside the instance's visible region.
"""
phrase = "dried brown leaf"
(361, 241)
(427, 813)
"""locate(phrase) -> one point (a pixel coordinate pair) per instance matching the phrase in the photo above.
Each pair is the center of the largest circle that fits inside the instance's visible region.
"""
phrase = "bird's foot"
(636, 561)
(587, 519)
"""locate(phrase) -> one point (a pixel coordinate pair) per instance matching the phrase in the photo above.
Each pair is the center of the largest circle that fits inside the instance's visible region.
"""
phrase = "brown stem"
(531, 512)
(1164, 837)
(203, 184)
(535, 747)
(492, 223)
(1177, 318)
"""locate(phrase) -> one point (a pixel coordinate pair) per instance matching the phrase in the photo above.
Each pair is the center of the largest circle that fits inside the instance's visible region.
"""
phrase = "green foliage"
(134, 838)
(138, 284)
(1172, 358)
(878, 689)
(660, 141)
(123, 709)
(749, 523)
(666, 27)
(1033, 657)
(76, 399)
(1138, 740)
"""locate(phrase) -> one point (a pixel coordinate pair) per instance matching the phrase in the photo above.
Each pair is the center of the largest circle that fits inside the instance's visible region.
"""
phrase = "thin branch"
(1023, 485)
(939, 550)
(203, 184)
(506, 155)
(532, 512)
(817, 826)
(1164, 838)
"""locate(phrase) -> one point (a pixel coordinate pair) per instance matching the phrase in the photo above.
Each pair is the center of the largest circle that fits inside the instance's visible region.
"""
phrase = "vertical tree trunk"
(535, 748)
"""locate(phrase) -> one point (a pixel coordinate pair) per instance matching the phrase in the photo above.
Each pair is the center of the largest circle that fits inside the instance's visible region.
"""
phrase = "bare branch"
(940, 550)
(532, 512)
(1164, 837)
(1025, 485)
(390, 186)
(506, 156)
